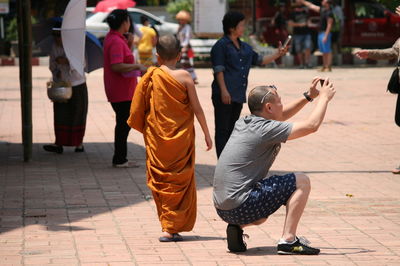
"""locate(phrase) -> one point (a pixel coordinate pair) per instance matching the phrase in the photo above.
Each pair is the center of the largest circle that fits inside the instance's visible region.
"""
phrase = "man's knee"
(302, 181)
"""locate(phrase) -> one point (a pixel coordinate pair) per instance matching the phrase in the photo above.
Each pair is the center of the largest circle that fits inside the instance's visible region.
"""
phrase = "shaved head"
(168, 47)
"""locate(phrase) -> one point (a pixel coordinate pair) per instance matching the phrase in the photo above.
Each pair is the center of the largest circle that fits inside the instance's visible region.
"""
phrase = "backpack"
(336, 23)
(394, 83)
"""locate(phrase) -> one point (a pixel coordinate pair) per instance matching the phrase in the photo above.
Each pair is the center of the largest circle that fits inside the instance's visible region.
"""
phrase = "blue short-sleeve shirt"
(235, 63)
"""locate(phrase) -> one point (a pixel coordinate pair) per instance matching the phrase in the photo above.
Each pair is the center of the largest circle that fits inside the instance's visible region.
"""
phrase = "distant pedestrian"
(184, 35)
(381, 54)
(120, 80)
(299, 20)
(146, 43)
(325, 28)
(69, 116)
(279, 24)
(337, 30)
(231, 60)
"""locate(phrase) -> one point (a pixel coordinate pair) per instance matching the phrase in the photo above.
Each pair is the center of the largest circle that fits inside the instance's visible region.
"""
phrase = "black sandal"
(53, 148)
(79, 149)
(175, 238)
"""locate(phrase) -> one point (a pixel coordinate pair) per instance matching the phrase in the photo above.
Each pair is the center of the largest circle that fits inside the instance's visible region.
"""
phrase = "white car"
(97, 25)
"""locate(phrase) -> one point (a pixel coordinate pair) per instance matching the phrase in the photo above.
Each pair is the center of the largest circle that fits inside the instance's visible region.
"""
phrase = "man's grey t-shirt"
(247, 158)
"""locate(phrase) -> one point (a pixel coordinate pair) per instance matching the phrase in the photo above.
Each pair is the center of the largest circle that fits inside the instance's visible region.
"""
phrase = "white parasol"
(73, 34)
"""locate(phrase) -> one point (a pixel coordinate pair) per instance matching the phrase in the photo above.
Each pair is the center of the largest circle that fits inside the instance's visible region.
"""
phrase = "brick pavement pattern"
(75, 209)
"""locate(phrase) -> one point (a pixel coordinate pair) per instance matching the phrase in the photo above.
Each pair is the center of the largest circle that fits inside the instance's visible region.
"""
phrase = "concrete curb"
(340, 60)
(287, 61)
(14, 61)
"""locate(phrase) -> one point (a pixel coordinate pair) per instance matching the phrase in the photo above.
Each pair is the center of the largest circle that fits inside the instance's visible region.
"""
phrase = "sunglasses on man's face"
(268, 92)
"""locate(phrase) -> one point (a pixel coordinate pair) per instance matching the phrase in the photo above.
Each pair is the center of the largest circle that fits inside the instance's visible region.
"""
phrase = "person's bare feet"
(167, 237)
(166, 234)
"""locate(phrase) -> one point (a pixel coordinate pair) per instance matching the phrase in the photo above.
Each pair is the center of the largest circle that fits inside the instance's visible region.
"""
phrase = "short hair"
(168, 47)
(143, 19)
(231, 20)
(116, 18)
(256, 95)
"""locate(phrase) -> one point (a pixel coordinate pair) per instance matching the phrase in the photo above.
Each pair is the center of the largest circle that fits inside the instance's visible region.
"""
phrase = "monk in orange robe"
(163, 109)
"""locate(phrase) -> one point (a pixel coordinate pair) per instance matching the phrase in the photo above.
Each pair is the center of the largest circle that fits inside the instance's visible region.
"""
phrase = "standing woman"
(69, 116)
(385, 54)
(120, 79)
(184, 35)
(231, 61)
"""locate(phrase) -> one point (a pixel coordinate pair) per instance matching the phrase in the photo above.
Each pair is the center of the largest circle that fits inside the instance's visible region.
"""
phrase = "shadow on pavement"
(56, 190)
(202, 238)
(344, 251)
(271, 250)
(348, 171)
(257, 251)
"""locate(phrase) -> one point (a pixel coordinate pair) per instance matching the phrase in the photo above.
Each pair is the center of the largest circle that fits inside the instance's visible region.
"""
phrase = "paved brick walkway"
(75, 209)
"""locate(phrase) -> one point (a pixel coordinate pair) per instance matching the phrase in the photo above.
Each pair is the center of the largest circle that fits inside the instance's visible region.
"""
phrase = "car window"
(89, 14)
(368, 10)
(136, 18)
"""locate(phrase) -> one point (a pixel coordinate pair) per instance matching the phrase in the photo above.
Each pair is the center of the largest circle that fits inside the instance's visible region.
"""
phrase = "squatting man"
(242, 194)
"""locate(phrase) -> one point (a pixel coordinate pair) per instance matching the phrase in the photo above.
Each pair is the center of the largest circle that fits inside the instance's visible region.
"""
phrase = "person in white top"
(184, 35)
(69, 116)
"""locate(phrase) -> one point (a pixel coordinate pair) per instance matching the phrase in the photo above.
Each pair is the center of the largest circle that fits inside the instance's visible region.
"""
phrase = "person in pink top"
(120, 79)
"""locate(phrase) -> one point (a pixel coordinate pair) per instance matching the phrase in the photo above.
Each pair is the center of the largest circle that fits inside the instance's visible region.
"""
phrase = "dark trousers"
(225, 117)
(70, 117)
(121, 131)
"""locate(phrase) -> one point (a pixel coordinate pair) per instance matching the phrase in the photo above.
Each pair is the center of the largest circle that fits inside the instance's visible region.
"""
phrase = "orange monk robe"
(161, 111)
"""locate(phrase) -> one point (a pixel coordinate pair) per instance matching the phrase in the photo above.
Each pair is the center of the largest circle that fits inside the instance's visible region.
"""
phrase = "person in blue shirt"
(231, 61)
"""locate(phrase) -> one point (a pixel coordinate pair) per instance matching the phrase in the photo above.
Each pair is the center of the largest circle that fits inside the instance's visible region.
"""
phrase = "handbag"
(59, 91)
(394, 83)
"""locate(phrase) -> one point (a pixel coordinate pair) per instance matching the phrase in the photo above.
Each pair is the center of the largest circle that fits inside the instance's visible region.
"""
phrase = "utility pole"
(25, 73)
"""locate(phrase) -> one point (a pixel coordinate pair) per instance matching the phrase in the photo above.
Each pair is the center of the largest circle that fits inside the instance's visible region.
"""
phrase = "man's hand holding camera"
(326, 89)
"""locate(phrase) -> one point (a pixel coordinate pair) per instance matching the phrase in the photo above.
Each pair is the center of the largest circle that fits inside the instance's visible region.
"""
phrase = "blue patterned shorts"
(266, 198)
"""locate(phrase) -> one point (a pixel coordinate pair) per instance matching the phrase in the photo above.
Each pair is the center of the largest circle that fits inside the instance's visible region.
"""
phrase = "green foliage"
(347, 50)
(246, 34)
(174, 7)
(12, 29)
(153, 2)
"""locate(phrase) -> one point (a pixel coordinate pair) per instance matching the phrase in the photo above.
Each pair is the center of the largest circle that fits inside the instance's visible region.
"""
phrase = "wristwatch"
(307, 97)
